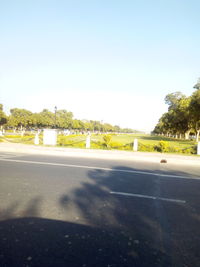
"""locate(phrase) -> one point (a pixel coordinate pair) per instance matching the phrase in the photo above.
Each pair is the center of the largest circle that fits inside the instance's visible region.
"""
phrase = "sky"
(107, 60)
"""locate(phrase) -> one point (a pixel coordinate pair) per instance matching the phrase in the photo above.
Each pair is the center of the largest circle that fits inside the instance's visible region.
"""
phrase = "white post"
(22, 133)
(36, 140)
(198, 148)
(135, 145)
(88, 141)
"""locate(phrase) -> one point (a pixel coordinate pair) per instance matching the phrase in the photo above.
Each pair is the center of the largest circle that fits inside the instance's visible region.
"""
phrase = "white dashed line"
(148, 197)
(99, 168)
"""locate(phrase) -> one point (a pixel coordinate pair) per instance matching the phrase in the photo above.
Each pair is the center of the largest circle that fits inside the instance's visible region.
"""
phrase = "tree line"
(60, 119)
(183, 116)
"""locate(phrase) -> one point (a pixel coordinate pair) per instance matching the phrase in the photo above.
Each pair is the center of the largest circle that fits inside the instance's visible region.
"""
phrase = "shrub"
(97, 145)
(28, 134)
(61, 141)
(115, 145)
(13, 136)
(128, 146)
(162, 146)
(120, 146)
(174, 149)
(107, 138)
(190, 150)
(147, 148)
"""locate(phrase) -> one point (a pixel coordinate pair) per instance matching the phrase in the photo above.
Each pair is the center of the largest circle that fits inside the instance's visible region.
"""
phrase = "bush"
(115, 145)
(13, 136)
(61, 141)
(190, 150)
(128, 146)
(65, 141)
(107, 138)
(147, 148)
(162, 146)
(174, 149)
(97, 145)
(28, 134)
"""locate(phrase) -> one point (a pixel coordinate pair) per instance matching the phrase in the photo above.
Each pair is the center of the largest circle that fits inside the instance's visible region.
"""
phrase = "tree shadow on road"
(157, 231)
(115, 230)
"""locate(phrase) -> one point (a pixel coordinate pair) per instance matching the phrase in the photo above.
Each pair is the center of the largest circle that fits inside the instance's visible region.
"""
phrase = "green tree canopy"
(20, 118)
(3, 117)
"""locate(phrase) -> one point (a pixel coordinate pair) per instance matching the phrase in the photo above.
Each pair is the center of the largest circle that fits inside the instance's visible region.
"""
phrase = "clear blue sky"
(108, 60)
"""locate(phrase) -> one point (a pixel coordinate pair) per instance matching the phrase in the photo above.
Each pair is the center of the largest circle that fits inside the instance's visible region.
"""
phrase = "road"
(62, 211)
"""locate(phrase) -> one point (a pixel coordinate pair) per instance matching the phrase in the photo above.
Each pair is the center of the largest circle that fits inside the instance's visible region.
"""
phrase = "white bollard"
(135, 145)
(36, 140)
(198, 148)
(88, 141)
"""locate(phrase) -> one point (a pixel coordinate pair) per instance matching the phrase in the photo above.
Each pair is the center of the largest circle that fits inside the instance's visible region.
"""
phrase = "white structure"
(1, 133)
(22, 133)
(198, 148)
(135, 145)
(36, 140)
(88, 141)
(50, 137)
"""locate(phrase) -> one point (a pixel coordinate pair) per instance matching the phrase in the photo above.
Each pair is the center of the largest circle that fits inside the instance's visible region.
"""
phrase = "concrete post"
(36, 140)
(22, 133)
(88, 141)
(198, 148)
(135, 145)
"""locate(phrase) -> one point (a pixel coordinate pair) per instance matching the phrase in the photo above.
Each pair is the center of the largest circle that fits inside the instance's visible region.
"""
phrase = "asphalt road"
(62, 211)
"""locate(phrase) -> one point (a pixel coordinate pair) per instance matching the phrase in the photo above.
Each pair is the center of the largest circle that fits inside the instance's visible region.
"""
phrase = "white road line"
(98, 168)
(7, 155)
(148, 197)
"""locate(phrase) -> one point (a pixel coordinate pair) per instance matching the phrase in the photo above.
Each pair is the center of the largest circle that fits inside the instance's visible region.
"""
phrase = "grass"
(154, 140)
(125, 142)
(20, 139)
(147, 140)
(118, 141)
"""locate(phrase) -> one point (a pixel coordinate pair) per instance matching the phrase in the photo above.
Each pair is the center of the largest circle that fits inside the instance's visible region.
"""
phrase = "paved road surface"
(62, 211)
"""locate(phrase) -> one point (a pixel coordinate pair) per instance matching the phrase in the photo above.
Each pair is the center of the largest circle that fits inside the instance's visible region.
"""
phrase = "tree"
(96, 125)
(76, 125)
(45, 118)
(116, 128)
(197, 85)
(177, 120)
(20, 118)
(64, 119)
(108, 127)
(173, 99)
(195, 112)
(3, 117)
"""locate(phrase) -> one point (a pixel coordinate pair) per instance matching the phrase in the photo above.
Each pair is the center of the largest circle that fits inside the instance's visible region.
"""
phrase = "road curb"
(100, 154)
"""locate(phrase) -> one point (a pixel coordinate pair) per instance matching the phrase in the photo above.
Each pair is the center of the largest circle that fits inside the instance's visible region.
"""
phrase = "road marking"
(148, 197)
(9, 155)
(98, 168)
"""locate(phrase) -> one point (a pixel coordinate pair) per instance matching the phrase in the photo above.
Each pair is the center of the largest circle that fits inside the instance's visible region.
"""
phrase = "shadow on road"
(118, 231)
